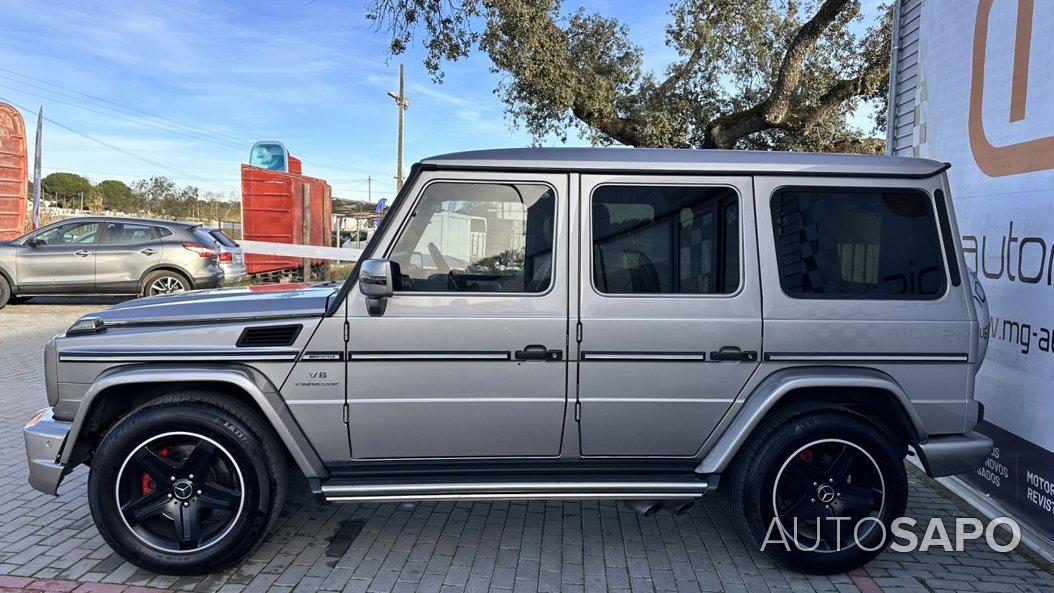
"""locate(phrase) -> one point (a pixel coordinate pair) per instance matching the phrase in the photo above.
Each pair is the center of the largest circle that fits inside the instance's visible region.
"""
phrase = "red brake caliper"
(148, 484)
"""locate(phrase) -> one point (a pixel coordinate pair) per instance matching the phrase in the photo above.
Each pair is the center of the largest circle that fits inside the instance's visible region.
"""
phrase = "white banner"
(985, 103)
(308, 251)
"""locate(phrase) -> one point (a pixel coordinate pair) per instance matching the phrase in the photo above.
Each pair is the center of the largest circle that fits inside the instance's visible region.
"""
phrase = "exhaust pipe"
(644, 508)
(679, 507)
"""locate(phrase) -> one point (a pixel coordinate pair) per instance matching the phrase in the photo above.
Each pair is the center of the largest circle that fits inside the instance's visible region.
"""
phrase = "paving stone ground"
(535, 546)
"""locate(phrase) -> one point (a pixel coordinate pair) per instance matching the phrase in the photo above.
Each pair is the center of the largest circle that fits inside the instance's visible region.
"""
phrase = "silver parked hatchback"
(107, 255)
(553, 323)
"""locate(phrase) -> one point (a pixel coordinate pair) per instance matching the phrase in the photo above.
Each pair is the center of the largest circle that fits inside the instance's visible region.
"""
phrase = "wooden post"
(306, 239)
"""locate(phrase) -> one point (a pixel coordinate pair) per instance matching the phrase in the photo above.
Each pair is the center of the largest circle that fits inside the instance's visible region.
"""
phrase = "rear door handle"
(148, 251)
(733, 353)
(538, 352)
(82, 253)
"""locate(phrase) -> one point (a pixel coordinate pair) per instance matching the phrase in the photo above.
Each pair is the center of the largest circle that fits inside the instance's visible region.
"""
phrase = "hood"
(277, 300)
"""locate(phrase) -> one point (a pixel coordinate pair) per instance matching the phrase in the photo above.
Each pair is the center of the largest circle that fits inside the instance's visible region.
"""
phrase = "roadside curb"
(10, 584)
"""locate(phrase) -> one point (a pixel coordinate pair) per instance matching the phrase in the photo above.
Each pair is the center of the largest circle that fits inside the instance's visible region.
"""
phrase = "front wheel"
(818, 491)
(187, 484)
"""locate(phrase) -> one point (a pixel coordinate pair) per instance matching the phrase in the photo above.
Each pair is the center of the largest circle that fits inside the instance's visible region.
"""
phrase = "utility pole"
(402, 103)
(369, 180)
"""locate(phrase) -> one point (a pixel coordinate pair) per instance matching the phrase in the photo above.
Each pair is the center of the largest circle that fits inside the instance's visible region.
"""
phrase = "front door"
(469, 357)
(670, 310)
(124, 253)
(62, 260)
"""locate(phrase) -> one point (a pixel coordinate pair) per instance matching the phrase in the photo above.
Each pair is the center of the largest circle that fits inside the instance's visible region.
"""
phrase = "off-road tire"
(149, 280)
(774, 445)
(232, 428)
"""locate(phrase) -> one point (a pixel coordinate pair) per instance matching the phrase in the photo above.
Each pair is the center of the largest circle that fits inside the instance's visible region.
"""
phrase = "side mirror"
(377, 282)
(36, 242)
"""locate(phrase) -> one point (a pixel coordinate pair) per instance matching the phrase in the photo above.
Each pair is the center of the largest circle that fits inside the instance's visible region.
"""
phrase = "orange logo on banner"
(1023, 157)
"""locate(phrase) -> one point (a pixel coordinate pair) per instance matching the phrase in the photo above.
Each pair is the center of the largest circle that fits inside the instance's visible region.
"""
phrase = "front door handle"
(538, 352)
(148, 251)
(82, 253)
(733, 353)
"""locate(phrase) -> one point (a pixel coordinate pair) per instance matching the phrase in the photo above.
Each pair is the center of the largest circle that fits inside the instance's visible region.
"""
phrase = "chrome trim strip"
(431, 355)
(211, 320)
(648, 356)
(180, 355)
(835, 357)
(499, 487)
(517, 496)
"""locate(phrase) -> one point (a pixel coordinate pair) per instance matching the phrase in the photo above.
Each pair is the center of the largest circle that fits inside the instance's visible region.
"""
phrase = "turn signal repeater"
(86, 325)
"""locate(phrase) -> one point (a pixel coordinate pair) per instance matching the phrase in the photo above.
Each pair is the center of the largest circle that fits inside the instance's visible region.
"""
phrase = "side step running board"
(348, 491)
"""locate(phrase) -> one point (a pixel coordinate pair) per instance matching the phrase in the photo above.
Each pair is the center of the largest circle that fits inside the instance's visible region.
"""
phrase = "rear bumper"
(954, 454)
(213, 281)
(233, 273)
(45, 436)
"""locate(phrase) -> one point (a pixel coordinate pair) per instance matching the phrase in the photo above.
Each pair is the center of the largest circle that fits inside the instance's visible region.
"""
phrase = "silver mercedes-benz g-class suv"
(553, 324)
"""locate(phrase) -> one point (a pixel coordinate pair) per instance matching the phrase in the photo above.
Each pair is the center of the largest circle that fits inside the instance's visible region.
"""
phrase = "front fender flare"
(769, 392)
(249, 380)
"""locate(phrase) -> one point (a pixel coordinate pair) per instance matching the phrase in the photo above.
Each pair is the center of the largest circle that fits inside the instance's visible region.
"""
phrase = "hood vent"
(269, 335)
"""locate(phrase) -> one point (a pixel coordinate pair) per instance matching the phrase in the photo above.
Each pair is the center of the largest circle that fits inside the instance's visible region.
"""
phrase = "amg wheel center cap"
(184, 489)
(824, 493)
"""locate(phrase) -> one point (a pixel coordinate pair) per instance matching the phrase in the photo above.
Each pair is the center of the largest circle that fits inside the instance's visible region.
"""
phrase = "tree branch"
(724, 131)
(778, 103)
(870, 77)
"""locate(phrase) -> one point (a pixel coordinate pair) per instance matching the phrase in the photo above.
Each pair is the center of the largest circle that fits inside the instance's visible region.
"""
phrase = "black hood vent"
(269, 335)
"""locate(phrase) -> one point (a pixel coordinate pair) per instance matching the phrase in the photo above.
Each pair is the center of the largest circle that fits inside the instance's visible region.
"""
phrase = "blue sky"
(314, 76)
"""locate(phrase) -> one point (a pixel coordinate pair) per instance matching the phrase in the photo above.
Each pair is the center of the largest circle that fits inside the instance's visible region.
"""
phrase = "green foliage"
(117, 196)
(65, 185)
(763, 74)
(157, 196)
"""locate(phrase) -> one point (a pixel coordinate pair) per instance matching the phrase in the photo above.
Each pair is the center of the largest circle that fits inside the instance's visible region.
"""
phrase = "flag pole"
(36, 170)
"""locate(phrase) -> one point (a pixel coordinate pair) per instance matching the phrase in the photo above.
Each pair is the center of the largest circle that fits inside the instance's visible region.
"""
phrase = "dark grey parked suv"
(108, 255)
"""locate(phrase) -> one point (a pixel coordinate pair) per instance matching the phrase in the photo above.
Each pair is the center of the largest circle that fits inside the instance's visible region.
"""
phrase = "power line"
(122, 117)
(123, 151)
(221, 137)
(122, 105)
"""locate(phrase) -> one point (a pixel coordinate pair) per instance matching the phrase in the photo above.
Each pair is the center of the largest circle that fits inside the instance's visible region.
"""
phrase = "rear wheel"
(164, 282)
(818, 490)
(187, 484)
(5, 292)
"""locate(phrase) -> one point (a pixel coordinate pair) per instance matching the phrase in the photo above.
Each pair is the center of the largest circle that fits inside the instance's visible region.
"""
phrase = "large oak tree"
(762, 74)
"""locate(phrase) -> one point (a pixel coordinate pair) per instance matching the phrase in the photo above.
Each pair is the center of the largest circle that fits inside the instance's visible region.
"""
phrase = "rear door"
(125, 252)
(63, 262)
(670, 310)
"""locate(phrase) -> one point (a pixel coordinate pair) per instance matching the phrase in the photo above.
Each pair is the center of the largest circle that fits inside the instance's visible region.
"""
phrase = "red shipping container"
(13, 173)
(273, 211)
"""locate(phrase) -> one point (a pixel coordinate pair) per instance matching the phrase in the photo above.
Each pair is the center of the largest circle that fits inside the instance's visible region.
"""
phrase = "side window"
(162, 232)
(478, 237)
(665, 239)
(71, 234)
(857, 244)
(122, 233)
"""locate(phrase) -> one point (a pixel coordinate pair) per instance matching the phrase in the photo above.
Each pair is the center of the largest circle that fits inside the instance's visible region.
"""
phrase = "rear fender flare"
(769, 392)
(245, 378)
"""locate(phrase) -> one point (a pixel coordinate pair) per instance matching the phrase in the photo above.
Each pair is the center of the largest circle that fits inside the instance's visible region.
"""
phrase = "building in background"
(972, 84)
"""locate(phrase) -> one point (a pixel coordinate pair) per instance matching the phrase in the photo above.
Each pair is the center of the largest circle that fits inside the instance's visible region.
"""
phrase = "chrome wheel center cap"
(825, 493)
(183, 489)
